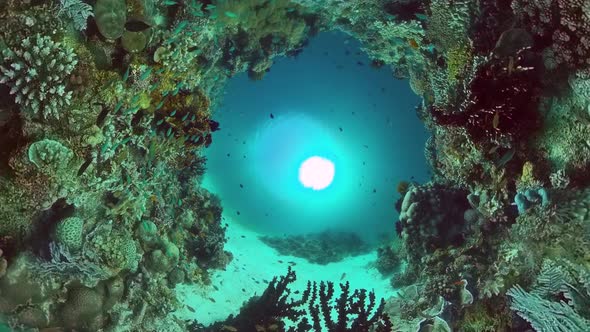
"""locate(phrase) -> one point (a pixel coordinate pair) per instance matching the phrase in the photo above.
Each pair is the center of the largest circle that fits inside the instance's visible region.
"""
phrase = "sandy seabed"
(255, 264)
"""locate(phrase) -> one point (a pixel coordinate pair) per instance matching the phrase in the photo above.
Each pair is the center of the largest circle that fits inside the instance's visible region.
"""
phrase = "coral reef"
(353, 312)
(320, 248)
(106, 107)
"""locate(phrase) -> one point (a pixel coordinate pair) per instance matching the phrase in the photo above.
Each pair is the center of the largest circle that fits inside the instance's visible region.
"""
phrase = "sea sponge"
(68, 233)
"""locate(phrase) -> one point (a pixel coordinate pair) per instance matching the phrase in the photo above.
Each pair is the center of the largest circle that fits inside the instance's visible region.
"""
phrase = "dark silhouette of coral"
(356, 312)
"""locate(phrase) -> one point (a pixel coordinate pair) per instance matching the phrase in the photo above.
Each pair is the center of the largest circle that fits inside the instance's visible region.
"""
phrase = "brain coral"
(68, 233)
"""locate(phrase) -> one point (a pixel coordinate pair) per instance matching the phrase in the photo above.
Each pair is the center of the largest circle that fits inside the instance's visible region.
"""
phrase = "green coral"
(68, 233)
(111, 16)
(36, 72)
(114, 248)
(49, 155)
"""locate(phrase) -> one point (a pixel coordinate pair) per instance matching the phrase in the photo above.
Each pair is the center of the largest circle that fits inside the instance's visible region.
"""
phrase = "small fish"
(340, 128)
(180, 27)
(102, 116)
(215, 287)
(413, 43)
(343, 276)
(493, 149)
(228, 154)
(84, 166)
(230, 14)
(243, 236)
(496, 120)
(238, 212)
(360, 63)
(208, 140)
(280, 261)
(126, 75)
(505, 158)
(191, 309)
(374, 190)
(135, 25)
(296, 292)
(272, 116)
(243, 290)
(118, 106)
(146, 74)
(213, 125)
(212, 299)
(241, 185)
(366, 146)
(292, 263)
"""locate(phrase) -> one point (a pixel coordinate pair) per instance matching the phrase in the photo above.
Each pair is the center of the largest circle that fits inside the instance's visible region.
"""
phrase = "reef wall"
(105, 107)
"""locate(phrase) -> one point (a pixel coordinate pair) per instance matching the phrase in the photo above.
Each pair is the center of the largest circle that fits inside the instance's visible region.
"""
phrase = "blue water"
(330, 102)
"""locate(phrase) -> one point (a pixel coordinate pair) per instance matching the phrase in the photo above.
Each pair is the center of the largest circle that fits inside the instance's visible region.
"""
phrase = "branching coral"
(37, 73)
(358, 311)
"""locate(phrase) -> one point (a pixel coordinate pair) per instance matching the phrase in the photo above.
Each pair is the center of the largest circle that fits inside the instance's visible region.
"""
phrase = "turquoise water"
(329, 86)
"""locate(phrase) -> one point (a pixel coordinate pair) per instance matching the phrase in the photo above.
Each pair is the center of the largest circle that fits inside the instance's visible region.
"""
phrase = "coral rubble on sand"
(106, 107)
(319, 248)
